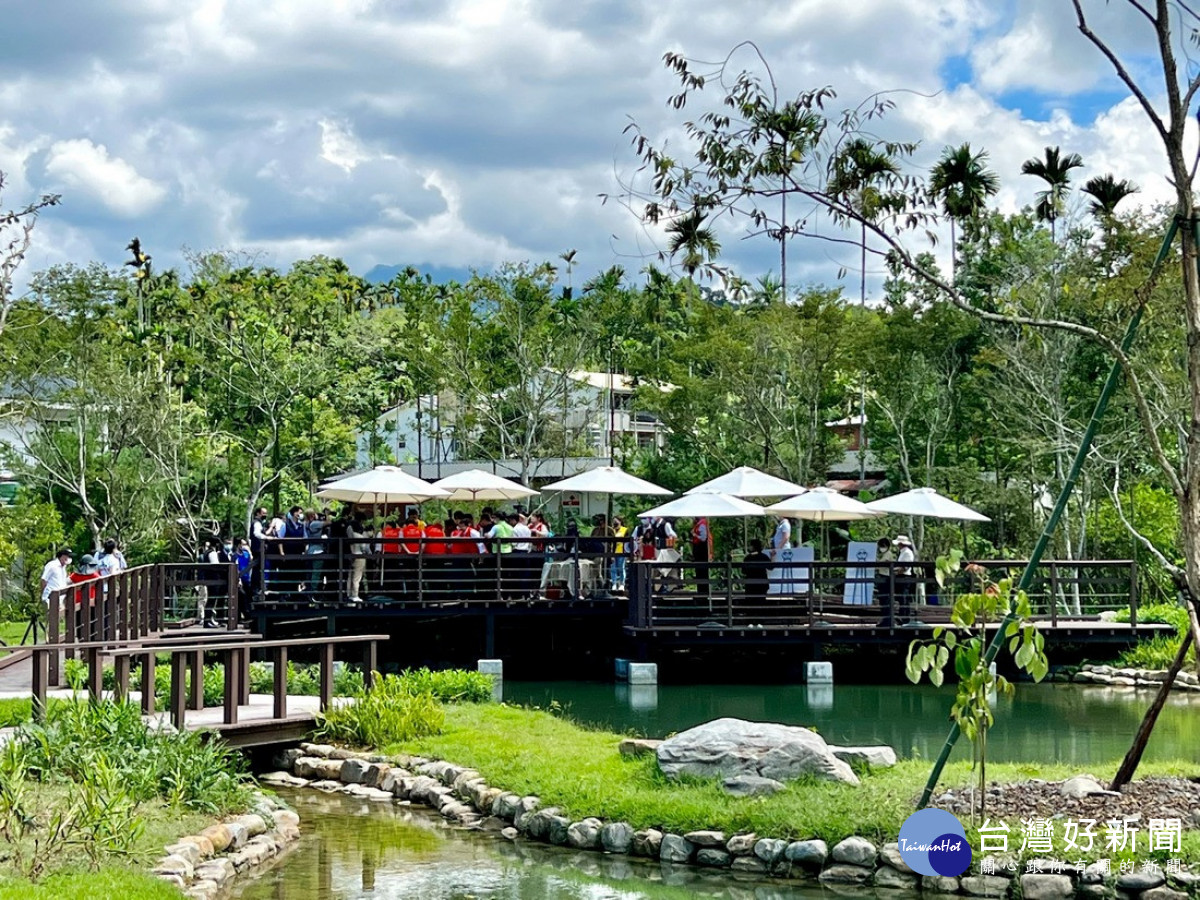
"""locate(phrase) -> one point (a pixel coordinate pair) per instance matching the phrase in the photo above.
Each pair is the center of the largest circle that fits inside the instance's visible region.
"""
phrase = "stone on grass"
(844, 873)
(170, 878)
(637, 747)
(1162, 892)
(855, 851)
(675, 848)
(174, 865)
(770, 850)
(890, 855)
(712, 856)
(727, 747)
(1046, 887)
(203, 844)
(354, 771)
(809, 854)
(505, 806)
(985, 885)
(751, 786)
(219, 835)
(881, 757)
(617, 837)
(1081, 786)
(187, 851)
(647, 842)
(707, 838)
(940, 884)
(748, 864)
(1135, 882)
(253, 823)
(887, 877)
(557, 833)
(584, 835)
(742, 844)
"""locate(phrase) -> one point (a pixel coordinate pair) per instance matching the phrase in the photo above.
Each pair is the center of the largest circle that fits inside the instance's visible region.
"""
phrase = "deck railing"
(805, 594)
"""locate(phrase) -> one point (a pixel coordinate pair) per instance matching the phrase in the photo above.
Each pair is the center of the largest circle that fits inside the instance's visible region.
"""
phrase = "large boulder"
(725, 748)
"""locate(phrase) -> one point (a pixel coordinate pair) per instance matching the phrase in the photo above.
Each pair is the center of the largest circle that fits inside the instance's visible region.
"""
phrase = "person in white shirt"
(522, 533)
(906, 583)
(55, 576)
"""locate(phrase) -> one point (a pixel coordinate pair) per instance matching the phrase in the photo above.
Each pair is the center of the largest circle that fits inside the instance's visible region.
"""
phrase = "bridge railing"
(132, 605)
(750, 594)
(186, 658)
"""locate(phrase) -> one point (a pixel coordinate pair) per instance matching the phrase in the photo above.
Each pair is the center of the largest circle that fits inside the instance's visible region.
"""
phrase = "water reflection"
(1053, 722)
(356, 849)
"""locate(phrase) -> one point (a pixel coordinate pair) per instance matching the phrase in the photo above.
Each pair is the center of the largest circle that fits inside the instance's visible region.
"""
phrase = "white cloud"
(467, 132)
(80, 165)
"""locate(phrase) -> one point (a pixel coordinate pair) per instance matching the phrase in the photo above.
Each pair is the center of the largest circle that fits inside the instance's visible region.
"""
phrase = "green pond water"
(357, 849)
(1049, 723)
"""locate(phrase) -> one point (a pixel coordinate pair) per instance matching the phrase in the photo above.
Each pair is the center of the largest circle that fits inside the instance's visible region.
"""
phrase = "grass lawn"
(11, 633)
(580, 771)
(128, 878)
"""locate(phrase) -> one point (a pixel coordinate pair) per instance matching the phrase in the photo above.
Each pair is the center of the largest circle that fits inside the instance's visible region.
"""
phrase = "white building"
(425, 436)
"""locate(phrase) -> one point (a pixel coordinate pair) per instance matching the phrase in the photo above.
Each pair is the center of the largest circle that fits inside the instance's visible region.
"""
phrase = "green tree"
(1055, 169)
(963, 183)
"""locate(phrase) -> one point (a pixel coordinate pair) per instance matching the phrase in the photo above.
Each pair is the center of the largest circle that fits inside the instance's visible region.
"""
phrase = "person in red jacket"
(435, 534)
(412, 534)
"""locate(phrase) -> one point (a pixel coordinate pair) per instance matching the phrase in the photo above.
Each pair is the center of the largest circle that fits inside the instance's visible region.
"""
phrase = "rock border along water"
(203, 865)
(1116, 676)
(463, 797)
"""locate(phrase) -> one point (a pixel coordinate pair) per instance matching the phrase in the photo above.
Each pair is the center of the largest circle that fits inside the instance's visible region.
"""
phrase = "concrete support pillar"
(621, 669)
(643, 673)
(818, 673)
(495, 668)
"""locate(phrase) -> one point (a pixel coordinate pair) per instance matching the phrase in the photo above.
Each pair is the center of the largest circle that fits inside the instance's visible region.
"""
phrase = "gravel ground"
(1149, 798)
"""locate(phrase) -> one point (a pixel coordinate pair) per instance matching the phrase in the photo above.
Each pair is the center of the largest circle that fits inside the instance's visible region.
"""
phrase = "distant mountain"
(439, 274)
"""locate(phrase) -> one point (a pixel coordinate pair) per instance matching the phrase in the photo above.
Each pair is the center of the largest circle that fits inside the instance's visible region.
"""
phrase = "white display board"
(859, 589)
(788, 573)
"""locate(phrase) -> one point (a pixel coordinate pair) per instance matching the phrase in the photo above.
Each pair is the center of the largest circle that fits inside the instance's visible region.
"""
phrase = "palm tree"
(1107, 193)
(1055, 170)
(698, 244)
(962, 181)
(859, 171)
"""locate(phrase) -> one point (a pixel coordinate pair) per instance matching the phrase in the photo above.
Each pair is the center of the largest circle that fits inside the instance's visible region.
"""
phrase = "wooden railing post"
(231, 575)
(196, 689)
(326, 654)
(148, 684)
(370, 664)
(95, 667)
(281, 687)
(41, 681)
(233, 688)
(244, 663)
(1054, 589)
(1133, 593)
(53, 635)
(179, 667)
(121, 674)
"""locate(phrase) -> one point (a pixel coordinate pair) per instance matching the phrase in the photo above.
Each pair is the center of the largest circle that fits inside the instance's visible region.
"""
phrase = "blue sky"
(466, 133)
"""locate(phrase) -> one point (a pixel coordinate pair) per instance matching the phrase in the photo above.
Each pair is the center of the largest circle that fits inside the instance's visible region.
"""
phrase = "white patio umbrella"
(608, 480)
(822, 504)
(383, 484)
(746, 481)
(476, 484)
(711, 504)
(926, 502)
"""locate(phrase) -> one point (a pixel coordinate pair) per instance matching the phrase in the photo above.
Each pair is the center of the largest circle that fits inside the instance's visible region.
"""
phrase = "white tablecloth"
(563, 572)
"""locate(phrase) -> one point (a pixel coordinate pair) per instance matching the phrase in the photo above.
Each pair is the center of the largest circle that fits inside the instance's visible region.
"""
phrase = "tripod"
(32, 627)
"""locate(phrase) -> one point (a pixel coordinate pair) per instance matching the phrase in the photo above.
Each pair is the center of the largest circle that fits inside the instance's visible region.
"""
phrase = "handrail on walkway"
(185, 655)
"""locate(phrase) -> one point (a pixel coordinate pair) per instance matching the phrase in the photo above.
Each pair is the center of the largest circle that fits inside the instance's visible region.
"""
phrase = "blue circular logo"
(934, 842)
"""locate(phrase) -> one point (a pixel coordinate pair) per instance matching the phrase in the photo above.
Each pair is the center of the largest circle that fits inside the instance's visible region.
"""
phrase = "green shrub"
(186, 768)
(1159, 651)
(392, 710)
(450, 685)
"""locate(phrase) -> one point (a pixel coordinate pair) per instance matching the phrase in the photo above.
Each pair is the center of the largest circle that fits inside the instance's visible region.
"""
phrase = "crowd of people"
(345, 556)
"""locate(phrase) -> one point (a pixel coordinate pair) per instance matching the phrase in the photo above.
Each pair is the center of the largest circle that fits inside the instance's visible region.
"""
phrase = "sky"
(453, 135)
